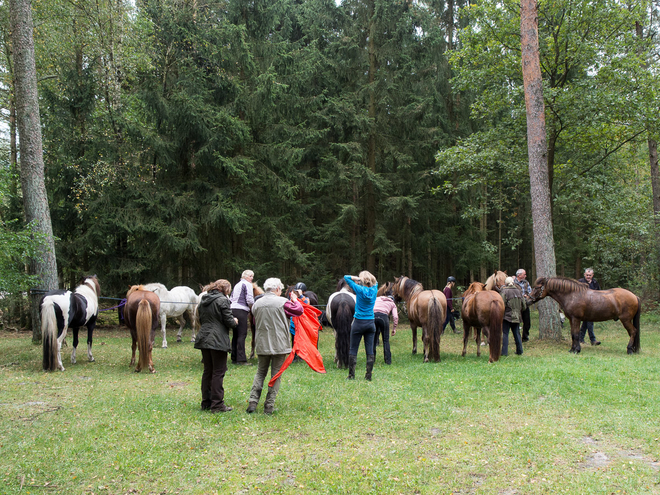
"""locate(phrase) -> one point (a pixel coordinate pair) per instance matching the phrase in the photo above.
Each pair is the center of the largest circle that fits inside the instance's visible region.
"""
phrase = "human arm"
(249, 294)
(225, 310)
(293, 307)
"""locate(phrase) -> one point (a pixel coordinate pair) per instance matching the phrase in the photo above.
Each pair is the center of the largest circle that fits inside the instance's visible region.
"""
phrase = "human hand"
(236, 320)
(393, 332)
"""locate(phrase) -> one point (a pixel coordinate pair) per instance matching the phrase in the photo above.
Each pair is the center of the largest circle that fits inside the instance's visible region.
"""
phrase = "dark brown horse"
(484, 310)
(141, 316)
(580, 303)
(426, 309)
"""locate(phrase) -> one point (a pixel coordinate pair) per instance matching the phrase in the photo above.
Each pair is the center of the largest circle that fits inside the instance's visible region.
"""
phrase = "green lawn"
(545, 422)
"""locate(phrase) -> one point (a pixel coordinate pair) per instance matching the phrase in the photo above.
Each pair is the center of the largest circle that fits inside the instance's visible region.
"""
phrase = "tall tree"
(544, 243)
(35, 198)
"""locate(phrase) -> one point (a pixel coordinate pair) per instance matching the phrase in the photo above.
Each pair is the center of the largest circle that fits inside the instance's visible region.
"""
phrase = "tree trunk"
(371, 146)
(35, 199)
(483, 228)
(549, 325)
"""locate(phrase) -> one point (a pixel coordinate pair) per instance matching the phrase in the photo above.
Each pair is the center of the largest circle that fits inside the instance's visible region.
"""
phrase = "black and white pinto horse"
(339, 313)
(63, 309)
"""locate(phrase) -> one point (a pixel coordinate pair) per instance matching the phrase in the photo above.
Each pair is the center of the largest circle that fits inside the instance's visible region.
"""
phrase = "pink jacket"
(386, 306)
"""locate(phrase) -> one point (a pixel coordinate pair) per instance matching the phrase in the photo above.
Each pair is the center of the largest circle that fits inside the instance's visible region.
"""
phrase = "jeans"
(449, 319)
(515, 330)
(382, 322)
(360, 328)
(238, 336)
(587, 326)
(526, 321)
(275, 362)
(215, 367)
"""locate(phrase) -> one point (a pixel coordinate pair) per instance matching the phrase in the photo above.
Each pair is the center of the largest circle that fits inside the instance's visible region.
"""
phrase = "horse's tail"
(143, 329)
(342, 323)
(495, 337)
(636, 325)
(434, 328)
(49, 334)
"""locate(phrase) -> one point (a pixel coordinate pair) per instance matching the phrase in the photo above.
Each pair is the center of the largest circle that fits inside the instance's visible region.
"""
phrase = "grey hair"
(519, 271)
(247, 273)
(588, 270)
(508, 281)
(272, 284)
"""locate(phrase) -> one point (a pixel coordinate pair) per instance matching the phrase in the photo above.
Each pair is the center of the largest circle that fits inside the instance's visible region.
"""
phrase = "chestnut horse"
(141, 316)
(484, 310)
(580, 303)
(495, 281)
(426, 309)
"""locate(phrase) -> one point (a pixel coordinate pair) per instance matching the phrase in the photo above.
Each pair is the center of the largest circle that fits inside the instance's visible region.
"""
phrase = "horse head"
(474, 288)
(385, 289)
(540, 289)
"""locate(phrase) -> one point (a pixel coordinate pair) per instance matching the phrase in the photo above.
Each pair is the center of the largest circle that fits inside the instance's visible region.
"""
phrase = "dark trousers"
(449, 319)
(382, 322)
(527, 323)
(215, 367)
(515, 330)
(238, 336)
(587, 326)
(359, 329)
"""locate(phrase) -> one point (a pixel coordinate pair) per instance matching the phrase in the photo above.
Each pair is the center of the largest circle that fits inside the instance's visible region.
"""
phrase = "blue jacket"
(365, 299)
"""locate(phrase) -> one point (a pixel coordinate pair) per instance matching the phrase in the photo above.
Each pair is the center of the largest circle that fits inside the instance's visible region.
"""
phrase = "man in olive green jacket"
(271, 317)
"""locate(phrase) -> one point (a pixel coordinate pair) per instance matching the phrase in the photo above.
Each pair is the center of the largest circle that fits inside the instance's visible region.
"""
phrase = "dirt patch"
(596, 460)
(589, 440)
(177, 384)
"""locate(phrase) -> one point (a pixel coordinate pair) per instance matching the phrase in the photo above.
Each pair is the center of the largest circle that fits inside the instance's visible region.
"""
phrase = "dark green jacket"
(215, 319)
(514, 303)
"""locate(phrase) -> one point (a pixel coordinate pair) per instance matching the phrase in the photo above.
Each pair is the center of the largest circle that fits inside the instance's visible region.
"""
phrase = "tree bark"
(35, 199)
(544, 244)
(371, 146)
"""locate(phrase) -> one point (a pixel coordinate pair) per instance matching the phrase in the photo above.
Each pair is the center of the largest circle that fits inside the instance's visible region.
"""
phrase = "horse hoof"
(164, 346)
(415, 351)
(91, 360)
(193, 340)
(73, 361)
(630, 351)
(179, 339)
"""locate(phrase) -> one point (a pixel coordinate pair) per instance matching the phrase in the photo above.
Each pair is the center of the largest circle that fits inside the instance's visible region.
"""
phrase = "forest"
(189, 140)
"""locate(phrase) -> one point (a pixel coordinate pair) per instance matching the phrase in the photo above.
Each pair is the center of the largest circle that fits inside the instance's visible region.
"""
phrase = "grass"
(544, 422)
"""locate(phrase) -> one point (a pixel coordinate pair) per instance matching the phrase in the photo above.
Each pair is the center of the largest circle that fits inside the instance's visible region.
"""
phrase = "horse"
(495, 281)
(580, 303)
(61, 309)
(484, 310)
(141, 315)
(339, 313)
(426, 309)
(174, 303)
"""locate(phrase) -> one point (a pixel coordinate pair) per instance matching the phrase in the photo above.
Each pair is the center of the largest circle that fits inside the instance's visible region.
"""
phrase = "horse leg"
(466, 337)
(90, 334)
(414, 338)
(182, 323)
(627, 324)
(60, 339)
(575, 335)
(75, 345)
(477, 339)
(425, 341)
(252, 343)
(193, 324)
(152, 338)
(134, 346)
(163, 325)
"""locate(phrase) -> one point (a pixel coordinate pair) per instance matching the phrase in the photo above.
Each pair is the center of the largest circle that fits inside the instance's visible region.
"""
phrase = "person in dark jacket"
(451, 282)
(514, 305)
(589, 325)
(215, 319)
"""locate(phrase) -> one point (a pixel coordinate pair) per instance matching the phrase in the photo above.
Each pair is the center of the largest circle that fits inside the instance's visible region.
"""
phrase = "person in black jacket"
(215, 319)
(589, 325)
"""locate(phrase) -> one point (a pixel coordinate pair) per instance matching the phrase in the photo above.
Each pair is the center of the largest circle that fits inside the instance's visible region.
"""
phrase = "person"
(514, 304)
(383, 308)
(589, 325)
(526, 289)
(215, 319)
(363, 321)
(271, 313)
(299, 289)
(451, 282)
(242, 299)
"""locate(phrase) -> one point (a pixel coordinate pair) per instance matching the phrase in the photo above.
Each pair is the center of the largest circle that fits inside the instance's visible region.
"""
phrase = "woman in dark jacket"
(216, 319)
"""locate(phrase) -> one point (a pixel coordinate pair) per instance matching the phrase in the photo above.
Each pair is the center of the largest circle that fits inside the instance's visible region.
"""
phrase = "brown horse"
(495, 281)
(426, 309)
(484, 310)
(141, 316)
(580, 303)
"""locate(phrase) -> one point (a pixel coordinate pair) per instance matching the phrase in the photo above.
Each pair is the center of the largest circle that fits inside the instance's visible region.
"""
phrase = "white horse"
(175, 303)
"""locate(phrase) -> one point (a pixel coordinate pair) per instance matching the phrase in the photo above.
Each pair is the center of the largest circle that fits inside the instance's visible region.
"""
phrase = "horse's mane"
(154, 286)
(474, 288)
(95, 280)
(563, 285)
(342, 284)
(495, 280)
(135, 288)
(257, 291)
(407, 287)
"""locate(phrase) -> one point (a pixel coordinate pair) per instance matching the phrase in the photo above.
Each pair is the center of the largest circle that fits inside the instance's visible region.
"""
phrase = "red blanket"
(304, 343)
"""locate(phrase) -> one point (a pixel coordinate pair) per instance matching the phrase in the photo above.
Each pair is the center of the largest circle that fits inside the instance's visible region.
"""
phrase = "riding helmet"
(300, 286)
(451, 279)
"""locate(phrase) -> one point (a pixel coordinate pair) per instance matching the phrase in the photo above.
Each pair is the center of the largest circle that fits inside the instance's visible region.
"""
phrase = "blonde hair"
(221, 285)
(247, 273)
(367, 279)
